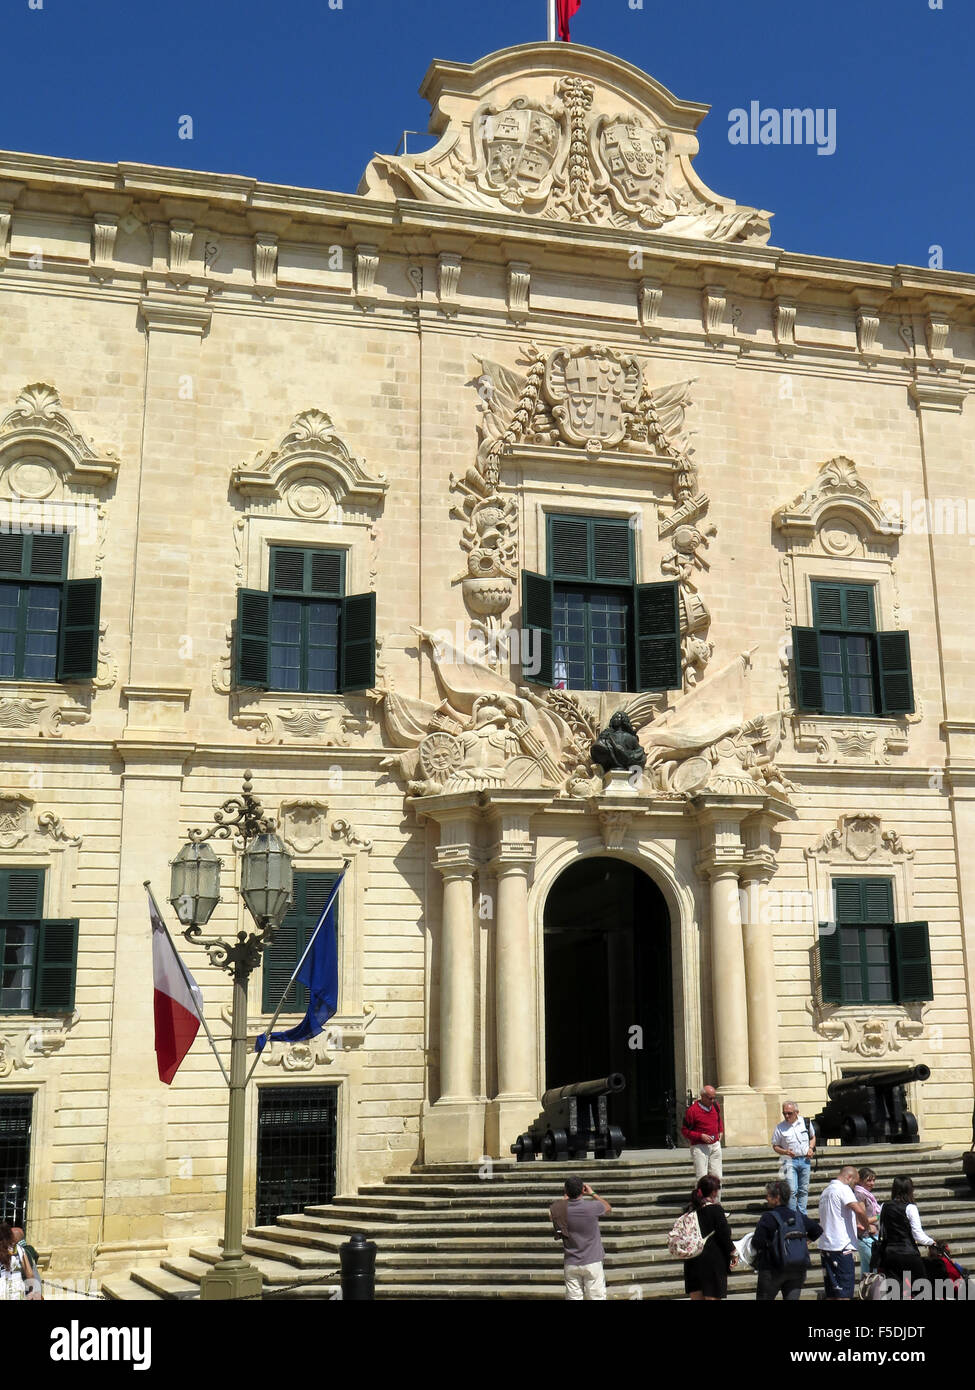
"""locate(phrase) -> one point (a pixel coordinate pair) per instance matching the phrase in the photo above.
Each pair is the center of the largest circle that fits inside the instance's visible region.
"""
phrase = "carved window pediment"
(39, 446)
(838, 510)
(312, 470)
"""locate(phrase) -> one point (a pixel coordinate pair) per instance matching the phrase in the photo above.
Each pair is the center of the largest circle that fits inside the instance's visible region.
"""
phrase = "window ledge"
(342, 1033)
(44, 705)
(27, 1036)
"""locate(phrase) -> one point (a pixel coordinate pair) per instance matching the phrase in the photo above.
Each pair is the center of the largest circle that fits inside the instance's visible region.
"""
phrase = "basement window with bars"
(591, 626)
(865, 957)
(843, 664)
(305, 633)
(311, 892)
(38, 955)
(48, 623)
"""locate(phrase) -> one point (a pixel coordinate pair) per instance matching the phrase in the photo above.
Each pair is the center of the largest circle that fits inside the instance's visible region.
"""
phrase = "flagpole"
(186, 979)
(551, 21)
(311, 941)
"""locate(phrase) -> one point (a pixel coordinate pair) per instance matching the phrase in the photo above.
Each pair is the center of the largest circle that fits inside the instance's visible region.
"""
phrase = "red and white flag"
(567, 8)
(177, 1003)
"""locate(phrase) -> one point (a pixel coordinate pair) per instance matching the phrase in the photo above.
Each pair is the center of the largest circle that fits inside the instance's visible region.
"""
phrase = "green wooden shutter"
(280, 959)
(848, 607)
(828, 605)
(253, 652)
(357, 638)
(57, 963)
(864, 901)
(912, 962)
(47, 556)
(325, 572)
(894, 673)
(859, 608)
(12, 556)
(656, 609)
(21, 893)
(287, 570)
(536, 623)
(612, 551)
(569, 547)
(78, 636)
(311, 892)
(830, 971)
(809, 676)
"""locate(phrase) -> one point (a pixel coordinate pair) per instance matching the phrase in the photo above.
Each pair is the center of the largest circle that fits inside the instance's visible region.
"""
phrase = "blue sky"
(299, 93)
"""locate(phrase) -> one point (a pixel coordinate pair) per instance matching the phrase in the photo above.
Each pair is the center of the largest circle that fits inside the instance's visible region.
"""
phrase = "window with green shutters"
(866, 957)
(311, 892)
(304, 633)
(48, 623)
(38, 955)
(843, 665)
(587, 625)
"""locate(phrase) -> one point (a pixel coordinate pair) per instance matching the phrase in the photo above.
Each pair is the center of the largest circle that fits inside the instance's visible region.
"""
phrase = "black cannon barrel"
(605, 1086)
(878, 1078)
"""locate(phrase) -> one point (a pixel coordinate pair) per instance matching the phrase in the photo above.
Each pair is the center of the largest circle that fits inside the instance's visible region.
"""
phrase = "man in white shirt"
(838, 1212)
(796, 1142)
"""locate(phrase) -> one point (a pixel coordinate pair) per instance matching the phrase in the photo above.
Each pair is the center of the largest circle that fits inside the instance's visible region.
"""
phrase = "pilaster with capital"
(517, 1102)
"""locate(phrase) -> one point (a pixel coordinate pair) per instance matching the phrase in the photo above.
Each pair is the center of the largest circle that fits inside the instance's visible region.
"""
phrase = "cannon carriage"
(574, 1119)
(871, 1108)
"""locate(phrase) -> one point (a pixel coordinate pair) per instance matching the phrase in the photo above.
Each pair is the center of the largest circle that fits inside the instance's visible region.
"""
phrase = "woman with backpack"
(781, 1245)
(706, 1274)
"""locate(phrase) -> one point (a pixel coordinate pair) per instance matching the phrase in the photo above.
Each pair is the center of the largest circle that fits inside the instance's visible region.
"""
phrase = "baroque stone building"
(392, 499)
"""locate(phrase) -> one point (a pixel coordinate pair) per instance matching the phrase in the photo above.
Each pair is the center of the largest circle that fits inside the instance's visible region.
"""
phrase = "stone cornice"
(30, 178)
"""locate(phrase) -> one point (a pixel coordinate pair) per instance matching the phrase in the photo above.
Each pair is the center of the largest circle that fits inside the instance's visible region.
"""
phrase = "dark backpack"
(787, 1249)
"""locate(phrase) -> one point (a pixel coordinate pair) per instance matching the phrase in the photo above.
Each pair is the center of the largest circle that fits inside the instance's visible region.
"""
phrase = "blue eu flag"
(319, 972)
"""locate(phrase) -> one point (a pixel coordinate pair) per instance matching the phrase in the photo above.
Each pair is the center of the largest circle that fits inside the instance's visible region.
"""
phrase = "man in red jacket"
(703, 1128)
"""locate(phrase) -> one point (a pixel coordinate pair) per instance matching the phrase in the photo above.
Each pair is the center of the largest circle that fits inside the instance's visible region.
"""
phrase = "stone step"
(450, 1233)
(122, 1287)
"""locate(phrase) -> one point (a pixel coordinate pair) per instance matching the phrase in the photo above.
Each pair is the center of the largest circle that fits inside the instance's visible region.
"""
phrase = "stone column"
(728, 980)
(457, 983)
(720, 817)
(453, 1126)
(517, 1103)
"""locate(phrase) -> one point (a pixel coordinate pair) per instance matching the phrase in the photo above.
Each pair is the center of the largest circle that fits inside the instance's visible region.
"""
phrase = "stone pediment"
(568, 134)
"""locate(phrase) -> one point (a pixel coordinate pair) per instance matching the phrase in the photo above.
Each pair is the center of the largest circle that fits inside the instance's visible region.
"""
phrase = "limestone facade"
(535, 318)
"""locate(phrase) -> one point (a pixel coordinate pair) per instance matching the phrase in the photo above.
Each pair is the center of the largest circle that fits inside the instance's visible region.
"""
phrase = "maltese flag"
(177, 1002)
(567, 8)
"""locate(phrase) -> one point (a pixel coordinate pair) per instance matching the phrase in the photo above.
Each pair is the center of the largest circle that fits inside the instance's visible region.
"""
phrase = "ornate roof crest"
(568, 134)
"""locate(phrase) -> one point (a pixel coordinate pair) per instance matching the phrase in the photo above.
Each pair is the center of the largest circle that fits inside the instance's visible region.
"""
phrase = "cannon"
(871, 1108)
(575, 1119)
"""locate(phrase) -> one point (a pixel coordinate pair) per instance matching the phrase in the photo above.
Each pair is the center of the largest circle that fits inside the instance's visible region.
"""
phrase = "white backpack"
(685, 1239)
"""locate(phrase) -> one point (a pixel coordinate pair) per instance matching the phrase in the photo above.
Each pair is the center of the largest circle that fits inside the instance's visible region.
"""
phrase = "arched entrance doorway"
(608, 974)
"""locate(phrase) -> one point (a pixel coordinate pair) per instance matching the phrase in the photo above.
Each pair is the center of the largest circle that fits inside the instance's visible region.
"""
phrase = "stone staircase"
(447, 1232)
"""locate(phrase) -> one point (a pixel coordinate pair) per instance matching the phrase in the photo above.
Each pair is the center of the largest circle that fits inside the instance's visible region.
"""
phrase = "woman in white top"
(902, 1238)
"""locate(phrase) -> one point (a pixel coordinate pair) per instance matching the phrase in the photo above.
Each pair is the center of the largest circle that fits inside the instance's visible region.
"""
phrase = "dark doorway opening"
(296, 1131)
(16, 1113)
(608, 990)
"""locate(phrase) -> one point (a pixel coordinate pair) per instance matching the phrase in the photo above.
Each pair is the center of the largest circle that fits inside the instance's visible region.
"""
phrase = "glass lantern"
(266, 879)
(195, 884)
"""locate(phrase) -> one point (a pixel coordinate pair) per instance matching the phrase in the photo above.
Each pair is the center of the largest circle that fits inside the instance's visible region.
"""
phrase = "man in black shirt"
(779, 1244)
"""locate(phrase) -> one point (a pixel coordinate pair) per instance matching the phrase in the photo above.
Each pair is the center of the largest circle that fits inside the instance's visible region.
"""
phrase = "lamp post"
(265, 886)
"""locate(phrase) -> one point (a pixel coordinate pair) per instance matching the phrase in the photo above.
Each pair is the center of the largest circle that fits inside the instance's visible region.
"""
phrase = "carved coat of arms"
(519, 150)
(592, 390)
(632, 161)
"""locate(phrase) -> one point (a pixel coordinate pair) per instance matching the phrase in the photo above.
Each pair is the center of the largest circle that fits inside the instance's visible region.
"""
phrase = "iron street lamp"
(266, 887)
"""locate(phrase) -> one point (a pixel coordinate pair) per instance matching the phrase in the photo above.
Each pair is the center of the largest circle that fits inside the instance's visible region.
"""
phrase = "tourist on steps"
(577, 1216)
(706, 1275)
(703, 1128)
